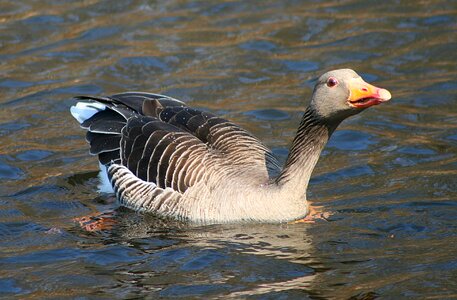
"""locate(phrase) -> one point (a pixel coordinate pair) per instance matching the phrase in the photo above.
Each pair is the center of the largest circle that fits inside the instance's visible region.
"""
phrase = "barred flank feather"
(140, 195)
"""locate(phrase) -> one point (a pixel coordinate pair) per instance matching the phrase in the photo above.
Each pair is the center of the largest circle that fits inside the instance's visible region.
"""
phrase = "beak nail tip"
(385, 94)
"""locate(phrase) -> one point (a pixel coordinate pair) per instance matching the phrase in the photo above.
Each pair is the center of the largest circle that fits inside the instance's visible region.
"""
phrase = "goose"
(159, 155)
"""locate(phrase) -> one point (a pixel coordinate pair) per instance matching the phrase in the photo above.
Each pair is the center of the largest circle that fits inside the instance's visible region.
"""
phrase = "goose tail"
(85, 110)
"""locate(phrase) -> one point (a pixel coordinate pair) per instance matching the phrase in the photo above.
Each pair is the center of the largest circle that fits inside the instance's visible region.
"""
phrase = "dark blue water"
(388, 176)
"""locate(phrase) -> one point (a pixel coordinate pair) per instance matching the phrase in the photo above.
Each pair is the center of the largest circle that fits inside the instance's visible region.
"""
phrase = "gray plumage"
(164, 157)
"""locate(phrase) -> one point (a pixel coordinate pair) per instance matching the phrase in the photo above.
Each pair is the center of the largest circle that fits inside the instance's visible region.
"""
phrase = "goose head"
(341, 93)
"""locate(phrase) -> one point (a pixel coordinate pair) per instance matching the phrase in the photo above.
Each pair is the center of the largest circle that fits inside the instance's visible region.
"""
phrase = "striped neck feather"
(312, 136)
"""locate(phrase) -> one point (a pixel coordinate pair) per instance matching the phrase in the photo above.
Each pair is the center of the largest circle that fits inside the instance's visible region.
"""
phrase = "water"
(388, 175)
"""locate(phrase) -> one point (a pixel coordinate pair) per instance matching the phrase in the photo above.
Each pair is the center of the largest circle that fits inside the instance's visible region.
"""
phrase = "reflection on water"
(388, 175)
(243, 260)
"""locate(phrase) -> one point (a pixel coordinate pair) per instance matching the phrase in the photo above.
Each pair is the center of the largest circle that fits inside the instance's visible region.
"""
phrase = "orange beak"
(364, 95)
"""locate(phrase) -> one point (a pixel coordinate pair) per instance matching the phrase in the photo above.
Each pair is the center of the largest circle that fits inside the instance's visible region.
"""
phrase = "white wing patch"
(104, 185)
(84, 110)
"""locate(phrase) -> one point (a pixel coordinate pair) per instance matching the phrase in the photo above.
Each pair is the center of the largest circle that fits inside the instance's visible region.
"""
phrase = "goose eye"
(332, 81)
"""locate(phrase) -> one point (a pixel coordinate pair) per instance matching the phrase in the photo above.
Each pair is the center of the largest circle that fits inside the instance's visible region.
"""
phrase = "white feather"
(104, 185)
(84, 110)
(81, 112)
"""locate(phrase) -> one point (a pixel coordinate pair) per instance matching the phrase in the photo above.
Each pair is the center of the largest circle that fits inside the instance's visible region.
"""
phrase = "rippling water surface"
(389, 175)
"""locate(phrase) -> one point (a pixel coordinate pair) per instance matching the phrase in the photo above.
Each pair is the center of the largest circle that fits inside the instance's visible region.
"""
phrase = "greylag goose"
(164, 157)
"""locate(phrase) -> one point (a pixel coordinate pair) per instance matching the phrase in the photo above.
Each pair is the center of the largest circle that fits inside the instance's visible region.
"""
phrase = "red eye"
(332, 81)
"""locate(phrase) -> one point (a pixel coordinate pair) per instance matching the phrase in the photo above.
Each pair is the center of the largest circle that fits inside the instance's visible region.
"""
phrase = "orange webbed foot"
(315, 213)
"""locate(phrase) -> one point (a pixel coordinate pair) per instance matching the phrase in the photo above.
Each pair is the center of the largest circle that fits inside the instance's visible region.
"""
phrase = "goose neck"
(311, 138)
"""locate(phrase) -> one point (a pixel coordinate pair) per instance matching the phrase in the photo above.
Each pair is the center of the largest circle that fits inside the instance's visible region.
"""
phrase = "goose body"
(164, 157)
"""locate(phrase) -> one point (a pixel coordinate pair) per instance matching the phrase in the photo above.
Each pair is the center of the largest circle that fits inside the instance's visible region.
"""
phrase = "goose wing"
(170, 144)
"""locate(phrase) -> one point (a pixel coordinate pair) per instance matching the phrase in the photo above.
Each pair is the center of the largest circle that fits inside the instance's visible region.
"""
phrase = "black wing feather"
(111, 127)
(102, 142)
(106, 116)
(109, 157)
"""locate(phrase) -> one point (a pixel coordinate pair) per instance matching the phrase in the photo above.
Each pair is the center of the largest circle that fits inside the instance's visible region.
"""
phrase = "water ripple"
(387, 175)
